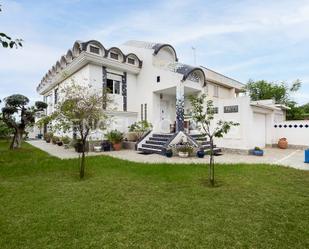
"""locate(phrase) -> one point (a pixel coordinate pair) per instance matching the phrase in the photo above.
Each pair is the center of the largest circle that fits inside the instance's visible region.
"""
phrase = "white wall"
(298, 135)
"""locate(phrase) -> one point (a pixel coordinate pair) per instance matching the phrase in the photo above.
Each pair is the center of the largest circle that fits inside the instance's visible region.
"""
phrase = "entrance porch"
(174, 109)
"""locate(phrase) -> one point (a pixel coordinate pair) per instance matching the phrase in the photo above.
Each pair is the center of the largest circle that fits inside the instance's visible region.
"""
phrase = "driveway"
(289, 157)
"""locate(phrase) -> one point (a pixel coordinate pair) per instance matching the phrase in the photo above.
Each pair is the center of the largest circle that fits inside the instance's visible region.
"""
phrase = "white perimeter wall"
(296, 132)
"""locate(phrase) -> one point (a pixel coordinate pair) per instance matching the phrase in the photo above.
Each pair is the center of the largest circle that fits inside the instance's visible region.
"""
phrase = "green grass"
(122, 204)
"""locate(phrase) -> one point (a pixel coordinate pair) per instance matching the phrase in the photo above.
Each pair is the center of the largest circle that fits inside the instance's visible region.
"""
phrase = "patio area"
(289, 157)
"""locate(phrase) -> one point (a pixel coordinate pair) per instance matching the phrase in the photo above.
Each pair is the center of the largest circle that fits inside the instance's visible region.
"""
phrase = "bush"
(66, 140)
(48, 136)
(114, 136)
(55, 139)
(185, 148)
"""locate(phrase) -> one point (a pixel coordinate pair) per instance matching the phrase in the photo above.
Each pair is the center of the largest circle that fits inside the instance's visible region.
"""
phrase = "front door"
(164, 117)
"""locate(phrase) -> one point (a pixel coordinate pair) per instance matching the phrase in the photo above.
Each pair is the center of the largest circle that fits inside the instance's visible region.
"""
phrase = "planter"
(117, 146)
(60, 143)
(105, 146)
(47, 140)
(97, 148)
(200, 154)
(258, 152)
(169, 153)
(183, 154)
(282, 143)
(307, 156)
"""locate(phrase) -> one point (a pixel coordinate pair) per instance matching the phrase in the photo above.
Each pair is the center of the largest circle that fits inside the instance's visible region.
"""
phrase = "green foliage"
(66, 140)
(48, 136)
(140, 128)
(115, 136)
(18, 116)
(204, 120)
(185, 148)
(5, 131)
(7, 42)
(280, 92)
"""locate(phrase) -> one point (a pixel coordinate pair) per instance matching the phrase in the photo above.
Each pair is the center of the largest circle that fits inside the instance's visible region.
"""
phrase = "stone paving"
(289, 157)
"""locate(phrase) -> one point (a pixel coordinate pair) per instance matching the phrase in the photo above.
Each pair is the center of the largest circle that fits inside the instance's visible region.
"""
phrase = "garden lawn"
(122, 204)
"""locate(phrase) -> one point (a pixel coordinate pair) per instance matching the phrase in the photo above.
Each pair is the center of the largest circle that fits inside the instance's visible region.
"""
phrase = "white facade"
(148, 83)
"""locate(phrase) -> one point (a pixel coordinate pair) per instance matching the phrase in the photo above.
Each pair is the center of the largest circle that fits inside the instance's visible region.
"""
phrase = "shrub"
(48, 136)
(114, 136)
(185, 148)
(66, 140)
(55, 139)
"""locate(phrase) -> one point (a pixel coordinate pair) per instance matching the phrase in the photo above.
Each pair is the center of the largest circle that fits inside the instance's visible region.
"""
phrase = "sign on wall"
(230, 108)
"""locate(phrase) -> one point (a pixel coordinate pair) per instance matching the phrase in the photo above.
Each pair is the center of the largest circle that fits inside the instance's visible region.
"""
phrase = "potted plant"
(66, 141)
(55, 139)
(283, 143)
(78, 145)
(115, 137)
(257, 151)
(200, 153)
(48, 136)
(184, 150)
(169, 153)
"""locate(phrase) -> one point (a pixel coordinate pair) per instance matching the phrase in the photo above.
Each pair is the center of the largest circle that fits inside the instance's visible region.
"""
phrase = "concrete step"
(150, 151)
(151, 146)
(162, 135)
(158, 139)
(155, 142)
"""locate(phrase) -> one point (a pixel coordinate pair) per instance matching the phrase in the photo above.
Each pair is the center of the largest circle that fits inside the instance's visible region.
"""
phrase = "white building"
(148, 83)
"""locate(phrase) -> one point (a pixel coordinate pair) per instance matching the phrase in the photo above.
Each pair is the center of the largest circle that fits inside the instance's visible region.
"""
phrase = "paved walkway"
(289, 157)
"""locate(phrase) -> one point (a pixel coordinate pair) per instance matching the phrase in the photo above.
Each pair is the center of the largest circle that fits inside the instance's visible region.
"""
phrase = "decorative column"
(180, 106)
(104, 84)
(124, 91)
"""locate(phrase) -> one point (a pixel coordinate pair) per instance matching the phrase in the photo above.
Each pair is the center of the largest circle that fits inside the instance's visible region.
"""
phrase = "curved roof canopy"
(158, 46)
(187, 71)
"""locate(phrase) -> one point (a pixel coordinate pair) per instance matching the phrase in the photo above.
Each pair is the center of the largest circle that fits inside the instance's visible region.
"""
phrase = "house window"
(94, 50)
(56, 96)
(158, 79)
(131, 61)
(113, 86)
(216, 91)
(114, 56)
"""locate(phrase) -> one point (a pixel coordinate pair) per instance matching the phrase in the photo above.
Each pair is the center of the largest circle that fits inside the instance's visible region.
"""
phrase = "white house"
(148, 82)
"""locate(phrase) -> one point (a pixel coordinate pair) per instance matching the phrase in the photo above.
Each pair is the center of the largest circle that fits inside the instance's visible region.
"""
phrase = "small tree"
(81, 110)
(16, 115)
(5, 131)
(203, 115)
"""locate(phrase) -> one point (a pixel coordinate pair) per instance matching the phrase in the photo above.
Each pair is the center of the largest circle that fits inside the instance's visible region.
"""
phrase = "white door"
(259, 129)
(164, 117)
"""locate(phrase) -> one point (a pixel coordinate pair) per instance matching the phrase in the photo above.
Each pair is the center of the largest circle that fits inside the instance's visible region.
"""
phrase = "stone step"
(155, 142)
(151, 146)
(158, 139)
(216, 151)
(162, 135)
(150, 151)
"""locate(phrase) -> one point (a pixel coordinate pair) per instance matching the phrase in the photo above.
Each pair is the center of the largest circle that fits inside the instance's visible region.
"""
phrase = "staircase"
(202, 140)
(156, 144)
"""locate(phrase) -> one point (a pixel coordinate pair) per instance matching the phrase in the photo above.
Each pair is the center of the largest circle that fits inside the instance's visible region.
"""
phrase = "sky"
(242, 39)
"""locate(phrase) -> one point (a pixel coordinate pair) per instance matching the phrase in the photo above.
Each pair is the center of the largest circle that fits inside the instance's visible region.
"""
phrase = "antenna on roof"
(194, 55)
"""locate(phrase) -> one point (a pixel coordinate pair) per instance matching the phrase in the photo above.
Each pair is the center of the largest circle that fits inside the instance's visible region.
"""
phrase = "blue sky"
(243, 39)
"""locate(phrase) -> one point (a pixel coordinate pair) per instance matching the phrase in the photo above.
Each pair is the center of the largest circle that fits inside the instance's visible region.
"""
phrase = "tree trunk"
(17, 139)
(211, 164)
(82, 163)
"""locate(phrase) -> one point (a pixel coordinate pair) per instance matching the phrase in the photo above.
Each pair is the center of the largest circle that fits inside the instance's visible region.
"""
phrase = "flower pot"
(200, 154)
(60, 143)
(282, 143)
(47, 140)
(97, 148)
(169, 153)
(258, 152)
(183, 154)
(307, 156)
(117, 146)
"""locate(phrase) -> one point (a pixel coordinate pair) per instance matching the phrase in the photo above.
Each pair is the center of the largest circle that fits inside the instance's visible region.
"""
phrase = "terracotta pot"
(282, 143)
(117, 146)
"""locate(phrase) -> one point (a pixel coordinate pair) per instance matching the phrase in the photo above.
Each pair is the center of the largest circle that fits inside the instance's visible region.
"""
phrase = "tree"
(7, 42)
(203, 115)
(280, 92)
(16, 115)
(80, 109)
(5, 131)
